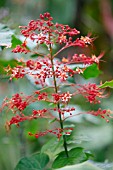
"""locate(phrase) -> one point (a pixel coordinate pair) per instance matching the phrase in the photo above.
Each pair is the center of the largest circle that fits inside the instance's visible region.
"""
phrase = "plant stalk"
(58, 104)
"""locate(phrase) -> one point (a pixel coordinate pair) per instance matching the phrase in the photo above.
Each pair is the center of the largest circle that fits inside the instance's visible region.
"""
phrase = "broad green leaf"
(82, 166)
(91, 71)
(76, 155)
(107, 84)
(35, 162)
(15, 41)
(52, 147)
(5, 35)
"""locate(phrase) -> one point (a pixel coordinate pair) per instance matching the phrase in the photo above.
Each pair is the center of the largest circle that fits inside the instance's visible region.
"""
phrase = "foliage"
(107, 84)
(34, 162)
(76, 155)
(91, 71)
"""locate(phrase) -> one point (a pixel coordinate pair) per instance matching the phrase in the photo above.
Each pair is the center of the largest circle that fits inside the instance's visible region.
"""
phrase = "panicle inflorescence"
(46, 67)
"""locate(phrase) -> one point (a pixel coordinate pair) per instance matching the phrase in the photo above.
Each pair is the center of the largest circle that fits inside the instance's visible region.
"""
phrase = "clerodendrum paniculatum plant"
(47, 67)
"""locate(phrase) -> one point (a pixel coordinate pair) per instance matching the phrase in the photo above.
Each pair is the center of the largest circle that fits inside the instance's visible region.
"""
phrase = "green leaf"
(5, 35)
(52, 147)
(89, 154)
(91, 71)
(15, 41)
(76, 155)
(35, 162)
(107, 84)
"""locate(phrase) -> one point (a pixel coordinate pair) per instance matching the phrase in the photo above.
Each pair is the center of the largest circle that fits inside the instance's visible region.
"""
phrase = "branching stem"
(58, 104)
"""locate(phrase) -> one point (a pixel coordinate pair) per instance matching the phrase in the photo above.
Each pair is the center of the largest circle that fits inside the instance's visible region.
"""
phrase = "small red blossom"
(42, 96)
(20, 49)
(68, 109)
(102, 113)
(65, 97)
(17, 119)
(63, 76)
(87, 40)
(82, 58)
(64, 110)
(39, 112)
(18, 72)
(79, 70)
(91, 92)
(70, 72)
(33, 65)
(16, 103)
(58, 132)
(56, 97)
(78, 42)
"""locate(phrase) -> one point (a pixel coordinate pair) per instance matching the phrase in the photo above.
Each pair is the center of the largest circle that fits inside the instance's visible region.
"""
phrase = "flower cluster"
(64, 97)
(48, 67)
(20, 49)
(82, 58)
(102, 113)
(17, 102)
(61, 34)
(91, 92)
(58, 132)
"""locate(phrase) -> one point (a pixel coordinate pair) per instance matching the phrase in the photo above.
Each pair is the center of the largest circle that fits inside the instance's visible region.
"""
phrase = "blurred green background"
(88, 16)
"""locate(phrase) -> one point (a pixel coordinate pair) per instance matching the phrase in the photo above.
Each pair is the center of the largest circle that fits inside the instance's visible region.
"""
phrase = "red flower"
(91, 92)
(20, 49)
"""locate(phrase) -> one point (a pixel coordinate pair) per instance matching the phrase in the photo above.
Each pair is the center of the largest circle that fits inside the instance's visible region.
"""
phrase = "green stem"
(58, 104)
